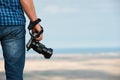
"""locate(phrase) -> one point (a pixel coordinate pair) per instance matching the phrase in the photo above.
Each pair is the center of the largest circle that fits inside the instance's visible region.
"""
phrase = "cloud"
(55, 9)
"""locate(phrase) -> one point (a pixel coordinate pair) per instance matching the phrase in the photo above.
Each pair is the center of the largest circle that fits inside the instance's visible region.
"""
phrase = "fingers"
(37, 29)
(39, 38)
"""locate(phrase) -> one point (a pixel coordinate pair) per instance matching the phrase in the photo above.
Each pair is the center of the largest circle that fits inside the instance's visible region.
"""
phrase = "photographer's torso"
(11, 13)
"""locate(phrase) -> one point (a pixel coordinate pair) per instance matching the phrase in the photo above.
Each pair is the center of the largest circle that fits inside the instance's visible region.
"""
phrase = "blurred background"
(75, 25)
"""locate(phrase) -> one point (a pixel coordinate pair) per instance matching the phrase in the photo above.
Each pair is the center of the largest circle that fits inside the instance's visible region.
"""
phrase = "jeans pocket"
(15, 32)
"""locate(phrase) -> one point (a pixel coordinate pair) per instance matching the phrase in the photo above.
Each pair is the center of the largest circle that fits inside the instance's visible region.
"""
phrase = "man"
(12, 34)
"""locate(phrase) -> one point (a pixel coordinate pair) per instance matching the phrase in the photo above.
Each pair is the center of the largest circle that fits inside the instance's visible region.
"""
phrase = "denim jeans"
(13, 45)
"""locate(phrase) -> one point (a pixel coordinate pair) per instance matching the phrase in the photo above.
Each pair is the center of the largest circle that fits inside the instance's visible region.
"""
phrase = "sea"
(86, 50)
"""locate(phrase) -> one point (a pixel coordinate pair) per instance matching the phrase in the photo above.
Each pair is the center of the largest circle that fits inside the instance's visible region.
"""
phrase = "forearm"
(29, 9)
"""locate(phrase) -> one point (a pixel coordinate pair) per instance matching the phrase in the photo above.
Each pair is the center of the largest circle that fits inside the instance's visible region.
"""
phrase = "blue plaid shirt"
(11, 13)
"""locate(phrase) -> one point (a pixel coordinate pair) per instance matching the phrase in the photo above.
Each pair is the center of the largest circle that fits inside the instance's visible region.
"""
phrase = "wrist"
(33, 23)
(33, 19)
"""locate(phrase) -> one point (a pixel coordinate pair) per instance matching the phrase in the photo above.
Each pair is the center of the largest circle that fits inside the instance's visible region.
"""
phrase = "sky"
(79, 23)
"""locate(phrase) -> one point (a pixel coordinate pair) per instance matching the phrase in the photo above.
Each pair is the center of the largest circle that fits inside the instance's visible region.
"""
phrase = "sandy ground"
(103, 66)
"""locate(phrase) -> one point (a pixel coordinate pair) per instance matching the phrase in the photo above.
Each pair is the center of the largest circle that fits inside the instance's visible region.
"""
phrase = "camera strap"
(32, 25)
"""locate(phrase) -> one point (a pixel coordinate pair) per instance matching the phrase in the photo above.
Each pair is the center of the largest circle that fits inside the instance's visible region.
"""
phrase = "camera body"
(40, 48)
(37, 46)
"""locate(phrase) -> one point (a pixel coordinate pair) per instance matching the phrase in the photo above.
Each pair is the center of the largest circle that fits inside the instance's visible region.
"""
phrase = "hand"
(37, 29)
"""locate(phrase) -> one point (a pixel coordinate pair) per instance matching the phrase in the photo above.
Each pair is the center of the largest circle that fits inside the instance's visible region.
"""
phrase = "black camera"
(40, 48)
(37, 46)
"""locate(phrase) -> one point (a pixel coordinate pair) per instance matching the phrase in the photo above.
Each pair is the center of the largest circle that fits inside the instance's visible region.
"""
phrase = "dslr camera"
(35, 45)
